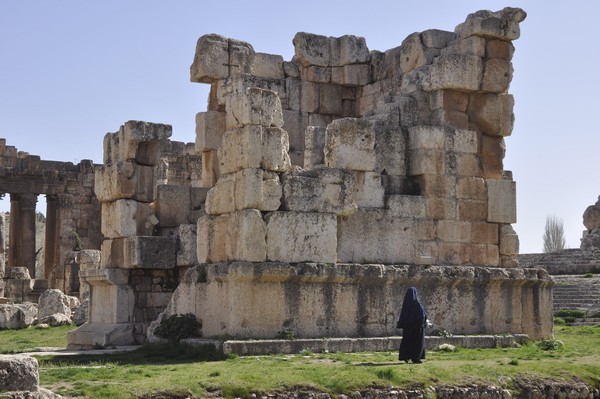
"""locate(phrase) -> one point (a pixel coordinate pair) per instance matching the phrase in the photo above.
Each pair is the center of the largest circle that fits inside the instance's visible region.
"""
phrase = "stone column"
(52, 235)
(2, 254)
(14, 231)
(27, 252)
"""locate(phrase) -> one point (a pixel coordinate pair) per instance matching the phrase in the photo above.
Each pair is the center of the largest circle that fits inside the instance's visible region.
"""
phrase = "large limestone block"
(509, 241)
(211, 60)
(311, 49)
(19, 373)
(301, 237)
(210, 126)
(173, 205)
(497, 76)
(473, 45)
(126, 218)
(314, 146)
(275, 150)
(406, 206)
(241, 149)
(376, 236)
(485, 233)
(51, 302)
(436, 38)
(591, 216)
(253, 147)
(319, 190)
(454, 231)
(503, 24)
(245, 189)
(255, 106)
(354, 75)
(491, 155)
(187, 245)
(369, 191)
(485, 255)
(462, 141)
(426, 137)
(412, 53)
(124, 180)
(268, 66)
(492, 114)
(454, 71)
(426, 161)
(141, 140)
(143, 252)
(350, 144)
(217, 58)
(239, 235)
(502, 201)
(17, 316)
(350, 50)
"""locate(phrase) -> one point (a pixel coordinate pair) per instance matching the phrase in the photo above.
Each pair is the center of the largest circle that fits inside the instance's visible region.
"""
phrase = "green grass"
(178, 371)
(32, 338)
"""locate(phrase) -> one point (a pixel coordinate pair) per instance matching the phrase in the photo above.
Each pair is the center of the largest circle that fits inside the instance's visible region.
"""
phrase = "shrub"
(440, 332)
(288, 334)
(550, 344)
(559, 321)
(177, 327)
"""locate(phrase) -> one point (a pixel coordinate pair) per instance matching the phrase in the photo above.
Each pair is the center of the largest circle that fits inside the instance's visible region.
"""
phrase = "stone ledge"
(348, 345)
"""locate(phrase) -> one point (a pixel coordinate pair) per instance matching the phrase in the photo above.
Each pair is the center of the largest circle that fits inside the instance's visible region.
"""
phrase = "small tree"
(554, 234)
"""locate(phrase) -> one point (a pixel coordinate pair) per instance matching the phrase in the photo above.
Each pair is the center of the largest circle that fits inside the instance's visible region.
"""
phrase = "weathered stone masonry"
(72, 214)
(328, 184)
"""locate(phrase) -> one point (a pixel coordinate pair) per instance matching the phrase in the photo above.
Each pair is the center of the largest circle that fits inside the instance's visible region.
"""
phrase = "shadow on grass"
(161, 353)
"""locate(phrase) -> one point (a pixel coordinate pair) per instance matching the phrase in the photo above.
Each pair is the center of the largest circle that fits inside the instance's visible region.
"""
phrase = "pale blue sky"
(71, 71)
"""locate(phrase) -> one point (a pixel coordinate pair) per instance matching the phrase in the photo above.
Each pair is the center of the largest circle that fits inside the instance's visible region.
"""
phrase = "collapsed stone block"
(376, 236)
(254, 107)
(502, 201)
(124, 180)
(20, 373)
(245, 189)
(173, 205)
(301, 237)
(144, 252)
(350, 144)
(210, 126)
(503, 24)
(319, 190)
(455, 71)
(126, 218)
(239, 235)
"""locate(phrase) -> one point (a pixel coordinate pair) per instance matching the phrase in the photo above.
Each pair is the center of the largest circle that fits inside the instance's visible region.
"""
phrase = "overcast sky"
(71, 71)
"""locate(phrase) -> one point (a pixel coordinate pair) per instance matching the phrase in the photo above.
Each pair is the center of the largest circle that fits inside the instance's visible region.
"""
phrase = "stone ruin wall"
(327, 185)
(72, 214)
(398, 147)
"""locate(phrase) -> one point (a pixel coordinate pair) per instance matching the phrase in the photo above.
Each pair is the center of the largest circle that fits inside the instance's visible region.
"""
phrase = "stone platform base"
(263, 300)
(100, 335)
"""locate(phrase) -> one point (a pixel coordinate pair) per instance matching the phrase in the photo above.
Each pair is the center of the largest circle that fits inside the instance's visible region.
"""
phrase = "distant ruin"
(318, 190)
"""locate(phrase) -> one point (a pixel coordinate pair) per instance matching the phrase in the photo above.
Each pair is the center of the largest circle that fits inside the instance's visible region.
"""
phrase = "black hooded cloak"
(412, 320)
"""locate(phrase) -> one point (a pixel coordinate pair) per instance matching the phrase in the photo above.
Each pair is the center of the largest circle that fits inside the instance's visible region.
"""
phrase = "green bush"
(559, 321)
(550, 344)
(288, 334)
(177, 327)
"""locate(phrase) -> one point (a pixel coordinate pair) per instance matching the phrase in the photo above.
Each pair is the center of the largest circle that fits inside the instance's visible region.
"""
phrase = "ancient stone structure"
(591, 221)
(328, 184)
(72, 213)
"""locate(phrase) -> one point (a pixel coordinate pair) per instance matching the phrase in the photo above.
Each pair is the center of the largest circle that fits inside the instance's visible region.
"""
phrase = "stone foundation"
(258, 300)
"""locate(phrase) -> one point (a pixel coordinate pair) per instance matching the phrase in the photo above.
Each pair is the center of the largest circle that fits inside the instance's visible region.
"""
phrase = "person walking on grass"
(412, 322)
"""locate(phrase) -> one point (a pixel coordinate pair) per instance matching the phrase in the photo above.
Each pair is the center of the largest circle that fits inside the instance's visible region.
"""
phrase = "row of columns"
(22, 231)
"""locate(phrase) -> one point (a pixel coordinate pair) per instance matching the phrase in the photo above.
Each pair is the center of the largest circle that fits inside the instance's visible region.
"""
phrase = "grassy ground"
(199, 371)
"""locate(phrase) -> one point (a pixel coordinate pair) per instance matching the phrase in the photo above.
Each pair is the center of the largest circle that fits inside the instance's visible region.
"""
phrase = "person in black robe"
(412, 322)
